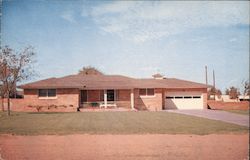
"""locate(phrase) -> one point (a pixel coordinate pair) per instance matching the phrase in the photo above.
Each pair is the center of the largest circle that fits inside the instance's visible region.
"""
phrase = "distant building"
(244, 98)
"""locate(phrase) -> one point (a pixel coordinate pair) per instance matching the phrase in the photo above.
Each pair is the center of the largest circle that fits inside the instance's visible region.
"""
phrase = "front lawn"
(243, 112)
(112, 123)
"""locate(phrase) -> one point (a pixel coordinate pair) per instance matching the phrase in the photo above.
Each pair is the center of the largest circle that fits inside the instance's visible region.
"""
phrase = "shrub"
(63, 106)
(52, 106)
(94, 104)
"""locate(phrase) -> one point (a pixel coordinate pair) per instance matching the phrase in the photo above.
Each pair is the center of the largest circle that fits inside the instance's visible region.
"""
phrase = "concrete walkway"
(224, 116)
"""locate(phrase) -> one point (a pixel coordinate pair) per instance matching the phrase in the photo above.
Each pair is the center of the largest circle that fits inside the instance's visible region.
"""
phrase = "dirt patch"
(44, 147)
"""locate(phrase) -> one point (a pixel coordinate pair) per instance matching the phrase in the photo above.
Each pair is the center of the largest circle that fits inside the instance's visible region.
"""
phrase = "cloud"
(68, 16)
(232, 39)
(142, 21)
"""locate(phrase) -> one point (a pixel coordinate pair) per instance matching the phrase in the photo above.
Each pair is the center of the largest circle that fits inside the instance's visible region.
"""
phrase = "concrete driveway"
(216, 115)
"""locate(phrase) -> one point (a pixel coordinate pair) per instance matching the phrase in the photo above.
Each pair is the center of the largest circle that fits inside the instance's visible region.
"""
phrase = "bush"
(95, 104)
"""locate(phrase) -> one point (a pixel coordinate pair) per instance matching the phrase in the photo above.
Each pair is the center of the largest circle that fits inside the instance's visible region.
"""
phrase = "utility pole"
(213, 79)
(214, 84)
(206, 73)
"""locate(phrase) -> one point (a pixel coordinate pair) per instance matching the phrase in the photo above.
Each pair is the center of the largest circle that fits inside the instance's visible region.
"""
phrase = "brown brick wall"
(219, 105)
(66, 100)
(123, 104)
(70, 97)
(205, 106)
(124, 95)
(152, 103)
(20, 105)
(64, 97)
(124, 98)
(93, 95)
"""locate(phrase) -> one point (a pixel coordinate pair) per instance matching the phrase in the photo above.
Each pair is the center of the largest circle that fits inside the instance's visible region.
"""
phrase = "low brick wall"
(218, 105)
(22, 105)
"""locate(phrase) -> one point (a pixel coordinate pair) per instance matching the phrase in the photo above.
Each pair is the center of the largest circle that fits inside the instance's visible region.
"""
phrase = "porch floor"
(105, 109)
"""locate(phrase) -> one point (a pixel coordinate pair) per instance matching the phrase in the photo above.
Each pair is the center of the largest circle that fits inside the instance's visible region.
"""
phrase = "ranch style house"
(116, 91)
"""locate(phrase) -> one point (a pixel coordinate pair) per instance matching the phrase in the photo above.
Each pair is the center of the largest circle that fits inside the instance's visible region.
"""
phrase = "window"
(47, 93)
(187, 97)
(150, 92)
(147, 92)
(51, 92)
(178, 97)
(169, 97)
(196, 96)
(110, 95)
(142, 92)
(42, 93)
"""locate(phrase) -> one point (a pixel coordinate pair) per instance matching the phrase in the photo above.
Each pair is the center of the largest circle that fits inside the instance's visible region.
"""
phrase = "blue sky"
(136, 39)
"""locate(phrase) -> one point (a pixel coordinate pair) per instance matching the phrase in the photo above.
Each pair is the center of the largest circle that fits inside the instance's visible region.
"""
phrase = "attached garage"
(184, 100)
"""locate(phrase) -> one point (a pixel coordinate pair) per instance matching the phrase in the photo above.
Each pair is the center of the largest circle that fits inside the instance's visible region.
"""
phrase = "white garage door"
(183, 100)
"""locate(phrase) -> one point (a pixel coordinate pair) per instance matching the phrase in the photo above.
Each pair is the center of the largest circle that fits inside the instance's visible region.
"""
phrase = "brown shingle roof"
(172, 83)
(110, 82)
(83, 81)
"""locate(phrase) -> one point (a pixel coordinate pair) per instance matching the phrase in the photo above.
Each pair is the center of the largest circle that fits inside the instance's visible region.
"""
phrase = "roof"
(170, 83)
(109, 82)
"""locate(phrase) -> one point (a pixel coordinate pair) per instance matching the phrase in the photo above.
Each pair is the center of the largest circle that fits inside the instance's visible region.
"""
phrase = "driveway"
(216, 115)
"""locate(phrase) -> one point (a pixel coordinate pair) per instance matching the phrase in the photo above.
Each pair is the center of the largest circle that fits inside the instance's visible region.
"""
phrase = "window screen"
(42, 92)
(142, 92)
(150, 92)
(47, 92)
(51, 92)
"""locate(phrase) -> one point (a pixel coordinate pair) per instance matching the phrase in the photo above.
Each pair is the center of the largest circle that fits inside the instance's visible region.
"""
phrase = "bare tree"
(89, 70)
(2, 95)
(214, 91)
(233, 92)
(15, 67)
(246, 87)
(218, 93)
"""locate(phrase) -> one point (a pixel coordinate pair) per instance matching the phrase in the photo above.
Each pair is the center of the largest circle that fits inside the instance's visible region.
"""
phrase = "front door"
(110, 95)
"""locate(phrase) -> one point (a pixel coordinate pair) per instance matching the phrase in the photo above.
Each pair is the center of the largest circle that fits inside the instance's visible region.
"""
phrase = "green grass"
(112, 123)
(243, 112)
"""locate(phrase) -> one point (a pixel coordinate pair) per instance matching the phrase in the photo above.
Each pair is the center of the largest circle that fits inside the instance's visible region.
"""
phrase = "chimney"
(158, 76)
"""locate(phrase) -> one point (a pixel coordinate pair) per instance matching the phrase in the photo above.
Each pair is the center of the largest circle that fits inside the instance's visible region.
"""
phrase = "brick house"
(110, 91)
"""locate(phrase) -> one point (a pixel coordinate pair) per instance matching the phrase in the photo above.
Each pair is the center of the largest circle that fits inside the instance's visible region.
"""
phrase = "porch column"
(132, 98)
(105, 98)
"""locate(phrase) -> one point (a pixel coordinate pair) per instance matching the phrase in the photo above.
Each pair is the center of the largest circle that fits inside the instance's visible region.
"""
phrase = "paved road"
(242, 120)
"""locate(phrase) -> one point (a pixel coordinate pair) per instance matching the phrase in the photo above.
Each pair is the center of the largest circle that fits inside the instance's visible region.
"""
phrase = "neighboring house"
(106, 91)
(244, 98)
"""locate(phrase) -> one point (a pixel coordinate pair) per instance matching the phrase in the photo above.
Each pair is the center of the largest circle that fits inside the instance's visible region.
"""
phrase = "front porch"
(106, 99)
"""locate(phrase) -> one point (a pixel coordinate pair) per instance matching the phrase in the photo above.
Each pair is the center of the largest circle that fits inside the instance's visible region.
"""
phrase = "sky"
(133, 38)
